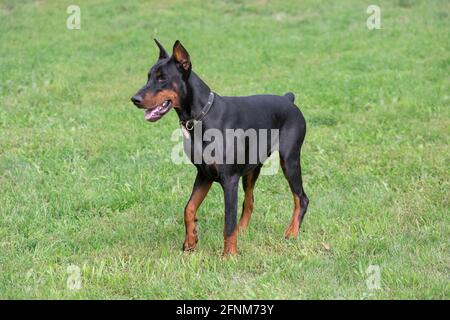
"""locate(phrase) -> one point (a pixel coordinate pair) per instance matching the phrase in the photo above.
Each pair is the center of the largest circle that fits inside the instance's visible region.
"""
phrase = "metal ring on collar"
(190, 124)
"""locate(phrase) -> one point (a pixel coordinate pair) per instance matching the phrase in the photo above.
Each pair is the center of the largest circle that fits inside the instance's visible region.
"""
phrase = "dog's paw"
(190, 244)
(291, 232)
(229, 253)
(188, 248)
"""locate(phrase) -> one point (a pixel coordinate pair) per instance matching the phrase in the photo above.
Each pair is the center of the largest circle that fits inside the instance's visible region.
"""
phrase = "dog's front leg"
(230, 189)
(199, 192)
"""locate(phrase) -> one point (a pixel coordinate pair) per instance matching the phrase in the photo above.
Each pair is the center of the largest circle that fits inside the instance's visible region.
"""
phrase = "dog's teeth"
(166, 103)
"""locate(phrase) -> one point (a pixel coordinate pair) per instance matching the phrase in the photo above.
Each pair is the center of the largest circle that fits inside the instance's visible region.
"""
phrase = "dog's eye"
(160, 78)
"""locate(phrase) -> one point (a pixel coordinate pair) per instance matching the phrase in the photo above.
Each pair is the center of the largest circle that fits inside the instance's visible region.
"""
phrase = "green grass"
(85, 181)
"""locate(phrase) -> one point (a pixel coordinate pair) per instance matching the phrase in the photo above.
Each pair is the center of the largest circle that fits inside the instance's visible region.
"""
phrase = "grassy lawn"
(85, 181)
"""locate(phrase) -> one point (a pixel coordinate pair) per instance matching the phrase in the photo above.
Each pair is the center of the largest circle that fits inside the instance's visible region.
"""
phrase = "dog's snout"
(137, 100)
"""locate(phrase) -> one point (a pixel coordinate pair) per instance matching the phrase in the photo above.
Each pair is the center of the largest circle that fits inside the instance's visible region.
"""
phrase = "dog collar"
(190, 124)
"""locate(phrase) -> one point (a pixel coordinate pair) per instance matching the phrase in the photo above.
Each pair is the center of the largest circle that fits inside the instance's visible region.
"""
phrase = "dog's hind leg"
(248, 183)
(291, 139)
(199, 192)
(292, 172)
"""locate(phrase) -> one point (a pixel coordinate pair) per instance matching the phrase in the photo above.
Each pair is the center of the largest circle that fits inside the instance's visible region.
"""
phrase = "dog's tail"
(290, 96)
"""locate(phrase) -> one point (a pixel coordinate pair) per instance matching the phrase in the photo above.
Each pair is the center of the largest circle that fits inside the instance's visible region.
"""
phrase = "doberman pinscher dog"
(172, 83)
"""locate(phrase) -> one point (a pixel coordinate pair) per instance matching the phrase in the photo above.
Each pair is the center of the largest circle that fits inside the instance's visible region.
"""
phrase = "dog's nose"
(137, 100)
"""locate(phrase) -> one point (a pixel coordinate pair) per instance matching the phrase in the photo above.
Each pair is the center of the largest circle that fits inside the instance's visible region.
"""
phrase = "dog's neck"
(198, 94)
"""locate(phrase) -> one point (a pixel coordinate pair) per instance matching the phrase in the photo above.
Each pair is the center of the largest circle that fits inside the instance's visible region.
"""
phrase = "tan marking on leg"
(292, 230)
(248, 202)
(230, 244)
(190, 211)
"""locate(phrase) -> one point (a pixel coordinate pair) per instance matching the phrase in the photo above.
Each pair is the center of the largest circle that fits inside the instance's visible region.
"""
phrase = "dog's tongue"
(157, 112)
(152, 114)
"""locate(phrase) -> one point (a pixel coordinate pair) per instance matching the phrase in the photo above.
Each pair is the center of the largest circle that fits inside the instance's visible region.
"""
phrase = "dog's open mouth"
(156, 113)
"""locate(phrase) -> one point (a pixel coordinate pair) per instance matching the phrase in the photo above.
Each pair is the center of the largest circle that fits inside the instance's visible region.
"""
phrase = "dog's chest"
(211, 170)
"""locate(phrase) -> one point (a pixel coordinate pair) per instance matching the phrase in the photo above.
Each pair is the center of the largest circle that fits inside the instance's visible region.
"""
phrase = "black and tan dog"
(172, 83)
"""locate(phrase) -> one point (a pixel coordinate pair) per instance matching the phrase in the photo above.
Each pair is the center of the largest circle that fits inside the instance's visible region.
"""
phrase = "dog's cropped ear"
(162, 52)
(181, 56)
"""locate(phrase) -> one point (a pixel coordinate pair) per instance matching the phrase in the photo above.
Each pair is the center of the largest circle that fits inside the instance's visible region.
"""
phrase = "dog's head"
(166, 83)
